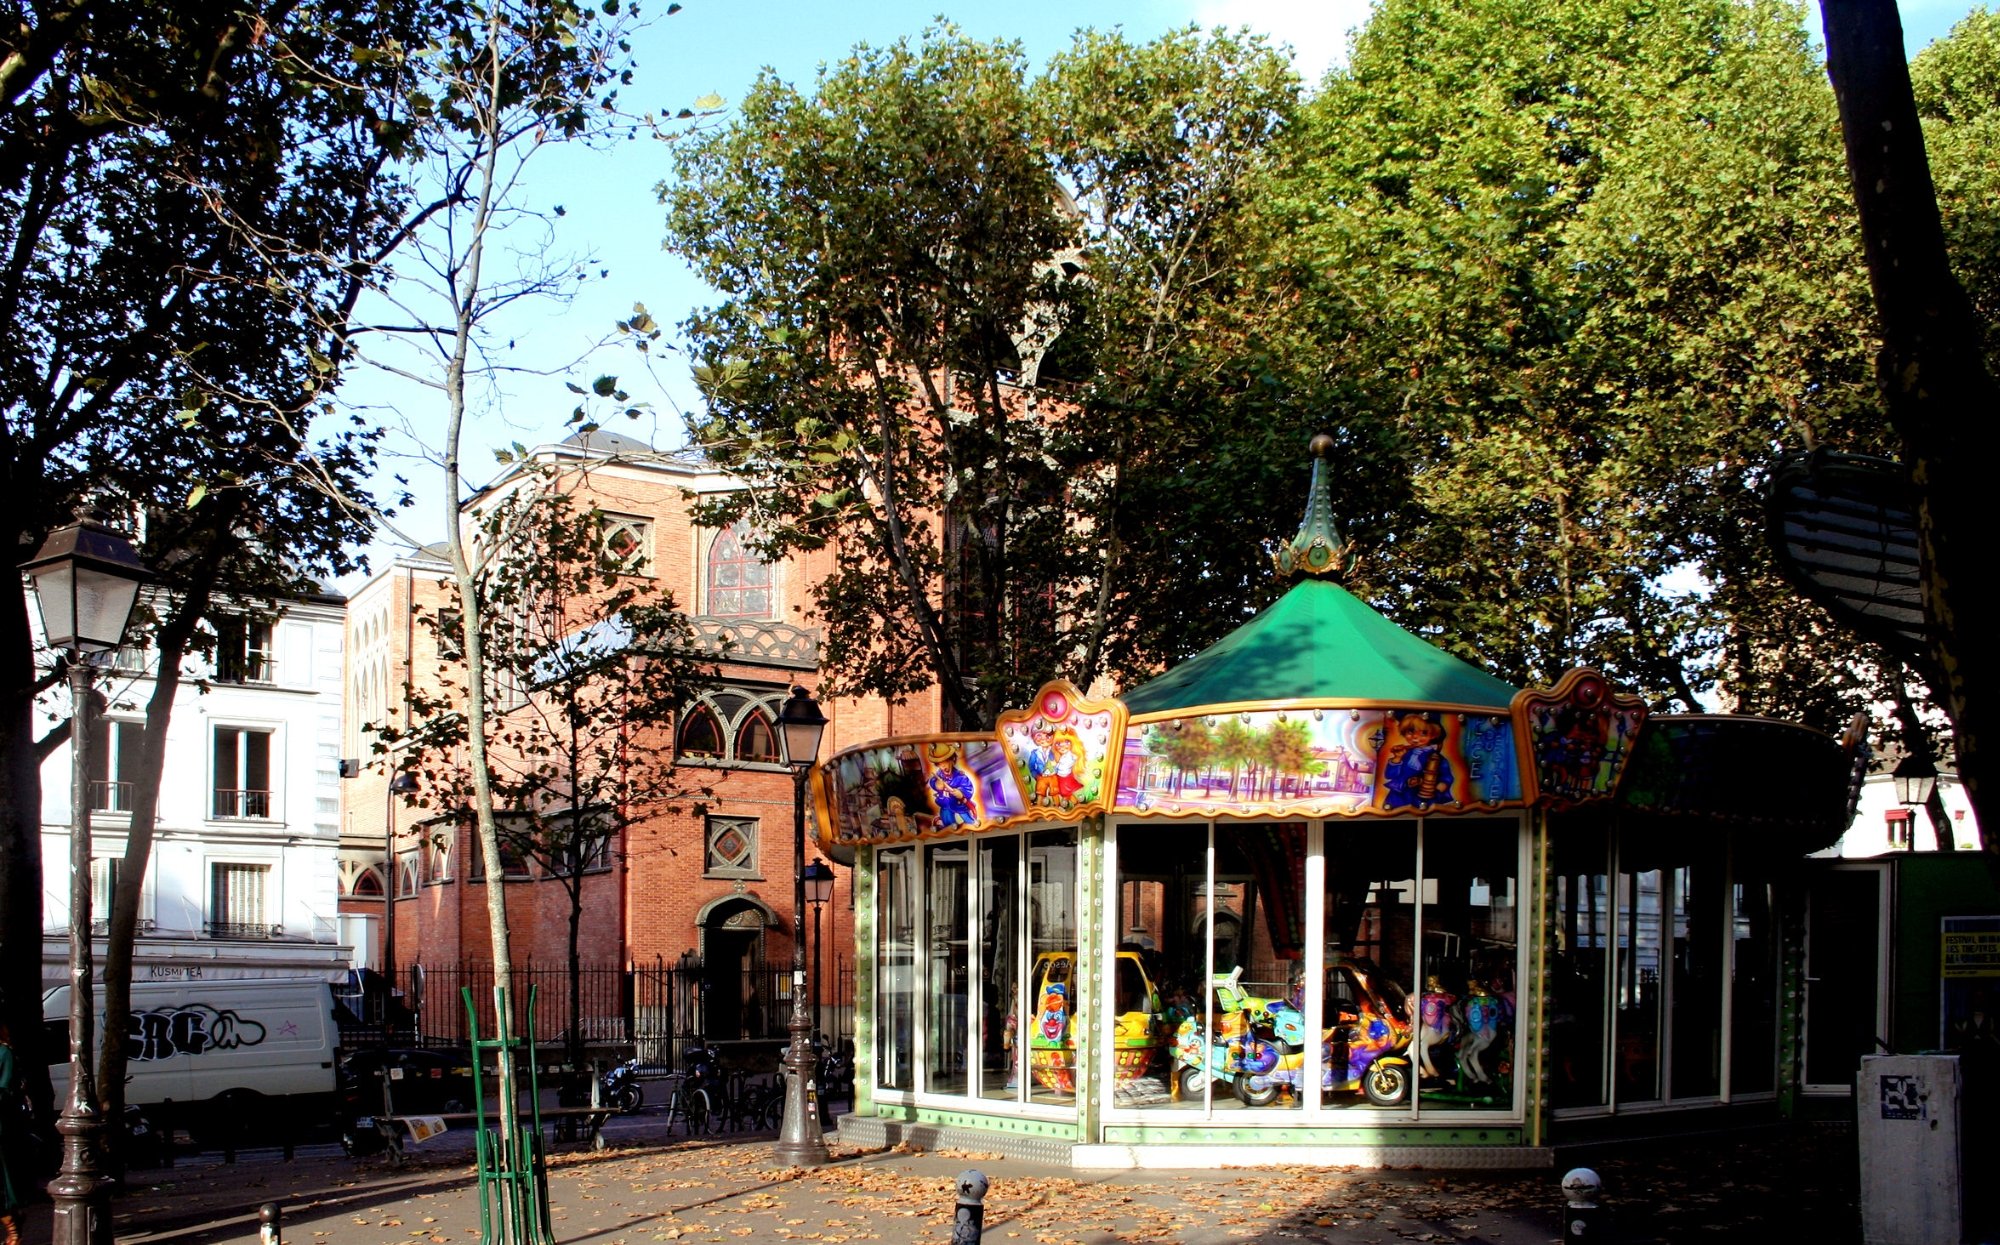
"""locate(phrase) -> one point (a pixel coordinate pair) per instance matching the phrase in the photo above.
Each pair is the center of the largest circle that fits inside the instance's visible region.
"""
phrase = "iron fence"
(649, 1010)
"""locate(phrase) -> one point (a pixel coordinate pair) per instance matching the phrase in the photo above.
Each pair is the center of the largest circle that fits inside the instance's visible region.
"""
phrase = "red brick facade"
(661, 895)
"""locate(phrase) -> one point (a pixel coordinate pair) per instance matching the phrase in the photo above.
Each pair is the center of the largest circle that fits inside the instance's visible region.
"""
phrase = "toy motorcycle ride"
(1366, 1048)
(1235, 1012)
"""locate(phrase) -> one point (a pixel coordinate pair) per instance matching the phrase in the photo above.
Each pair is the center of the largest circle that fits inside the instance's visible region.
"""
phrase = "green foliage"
(962, 312)
(882, 243)
(1591, 266)
(1957, 86)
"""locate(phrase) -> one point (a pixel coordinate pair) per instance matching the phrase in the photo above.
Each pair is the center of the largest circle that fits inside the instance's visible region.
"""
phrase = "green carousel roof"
(1319, 641)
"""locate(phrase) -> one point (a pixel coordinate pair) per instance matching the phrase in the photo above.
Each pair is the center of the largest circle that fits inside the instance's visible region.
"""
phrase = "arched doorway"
(732, 953)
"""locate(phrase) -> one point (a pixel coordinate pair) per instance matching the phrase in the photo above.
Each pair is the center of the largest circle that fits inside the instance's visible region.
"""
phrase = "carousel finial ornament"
(1318, 549)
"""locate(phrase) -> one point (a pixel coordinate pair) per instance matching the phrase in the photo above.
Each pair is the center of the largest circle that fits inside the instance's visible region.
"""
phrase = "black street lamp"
(800, 1142)
(402, 784)
(87, 580)
(1916, 777)
(819, 889)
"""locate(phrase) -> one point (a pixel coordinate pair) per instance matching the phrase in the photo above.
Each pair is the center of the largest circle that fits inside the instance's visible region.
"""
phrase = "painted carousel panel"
(1320, 762)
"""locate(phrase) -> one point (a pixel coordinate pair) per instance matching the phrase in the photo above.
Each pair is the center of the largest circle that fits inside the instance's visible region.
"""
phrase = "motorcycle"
(623, 1092)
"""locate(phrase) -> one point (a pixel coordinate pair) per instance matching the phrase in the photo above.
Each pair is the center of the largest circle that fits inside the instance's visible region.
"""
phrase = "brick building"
(707, 888)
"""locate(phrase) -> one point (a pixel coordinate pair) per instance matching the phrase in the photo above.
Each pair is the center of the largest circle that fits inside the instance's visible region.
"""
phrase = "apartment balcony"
(241, 804)
(111, 797)
(242, 931)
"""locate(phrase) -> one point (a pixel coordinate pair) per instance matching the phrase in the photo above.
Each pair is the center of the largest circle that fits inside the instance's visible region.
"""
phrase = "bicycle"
(690, 1103)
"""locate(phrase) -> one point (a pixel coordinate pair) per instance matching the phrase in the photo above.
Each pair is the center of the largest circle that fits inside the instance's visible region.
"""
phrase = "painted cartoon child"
(1062, 765)
(1417, 774)
(951, 788)
(1041, 768)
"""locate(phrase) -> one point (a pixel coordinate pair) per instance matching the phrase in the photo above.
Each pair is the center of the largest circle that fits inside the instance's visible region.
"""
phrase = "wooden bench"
(396, 1127)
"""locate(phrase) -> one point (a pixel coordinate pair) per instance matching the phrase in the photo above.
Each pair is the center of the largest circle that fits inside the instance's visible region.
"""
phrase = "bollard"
(1583, 1218)
(269, 1229)
(971, 1222)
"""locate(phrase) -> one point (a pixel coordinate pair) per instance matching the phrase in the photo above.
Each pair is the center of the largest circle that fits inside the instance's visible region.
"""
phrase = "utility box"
(1907, 1123)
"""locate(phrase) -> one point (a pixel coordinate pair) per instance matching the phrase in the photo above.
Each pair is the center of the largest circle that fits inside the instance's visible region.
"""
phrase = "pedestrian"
(12, 1119)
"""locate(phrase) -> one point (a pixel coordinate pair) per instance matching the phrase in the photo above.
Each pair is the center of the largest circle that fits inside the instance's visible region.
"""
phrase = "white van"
(252, 1048)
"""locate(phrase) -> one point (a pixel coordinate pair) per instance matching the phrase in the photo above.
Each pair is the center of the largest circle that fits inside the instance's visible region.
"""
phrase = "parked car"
(422, 1081)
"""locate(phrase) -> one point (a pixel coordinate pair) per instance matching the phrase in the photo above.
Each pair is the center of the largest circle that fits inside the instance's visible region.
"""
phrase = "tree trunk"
(123, 926)
(21, 857)
(1940, 396)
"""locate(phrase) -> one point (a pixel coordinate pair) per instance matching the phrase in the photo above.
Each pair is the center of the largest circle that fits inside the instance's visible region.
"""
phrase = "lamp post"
(800, 1143)
(402, 784)
(1916, 778)
(87, 580)
(819, 889)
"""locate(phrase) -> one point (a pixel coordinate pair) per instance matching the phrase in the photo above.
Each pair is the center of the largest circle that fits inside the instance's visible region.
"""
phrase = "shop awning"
(1319, 642)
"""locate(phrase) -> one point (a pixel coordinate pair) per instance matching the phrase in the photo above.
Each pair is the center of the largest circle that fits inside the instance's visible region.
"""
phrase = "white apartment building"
(242, 880)
(1883, 825)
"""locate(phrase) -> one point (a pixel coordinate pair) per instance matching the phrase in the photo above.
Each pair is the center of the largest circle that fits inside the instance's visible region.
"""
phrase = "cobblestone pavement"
(1784, 1184)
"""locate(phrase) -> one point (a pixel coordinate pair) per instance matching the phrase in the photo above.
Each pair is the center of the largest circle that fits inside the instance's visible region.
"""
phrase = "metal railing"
(241, 802)
(110, 797)
(243, 931)
(654, 1011)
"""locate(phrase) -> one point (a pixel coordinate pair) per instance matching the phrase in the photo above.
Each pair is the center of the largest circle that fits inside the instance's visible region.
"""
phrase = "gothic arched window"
(701, 735)
(739, 582)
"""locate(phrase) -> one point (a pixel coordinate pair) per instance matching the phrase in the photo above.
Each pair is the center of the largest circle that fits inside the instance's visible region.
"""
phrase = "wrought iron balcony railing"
(243, 931)
(231, 802)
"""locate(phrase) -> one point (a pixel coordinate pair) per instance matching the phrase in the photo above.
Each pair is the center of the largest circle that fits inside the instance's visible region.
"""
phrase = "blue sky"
(611, 212)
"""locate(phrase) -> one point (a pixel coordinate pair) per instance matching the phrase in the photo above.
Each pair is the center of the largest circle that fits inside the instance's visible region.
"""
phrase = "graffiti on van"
(188, 1029)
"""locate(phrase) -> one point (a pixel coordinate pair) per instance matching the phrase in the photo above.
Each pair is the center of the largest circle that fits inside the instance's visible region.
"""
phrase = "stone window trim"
(729, 847)
(626, 541)
(726, 718)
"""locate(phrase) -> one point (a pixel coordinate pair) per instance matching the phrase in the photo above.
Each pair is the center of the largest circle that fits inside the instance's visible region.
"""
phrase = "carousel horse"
(1482, 1029)
(1437, 1025)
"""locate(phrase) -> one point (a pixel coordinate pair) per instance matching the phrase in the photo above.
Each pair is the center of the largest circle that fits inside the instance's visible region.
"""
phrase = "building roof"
(1319, 642)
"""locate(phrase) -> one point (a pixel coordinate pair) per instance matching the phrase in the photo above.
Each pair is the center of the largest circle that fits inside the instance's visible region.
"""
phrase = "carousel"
(1324, 893)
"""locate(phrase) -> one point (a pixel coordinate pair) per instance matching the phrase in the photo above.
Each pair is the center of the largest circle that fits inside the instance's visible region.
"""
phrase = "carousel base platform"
(1428, 1158)
(874, 1132)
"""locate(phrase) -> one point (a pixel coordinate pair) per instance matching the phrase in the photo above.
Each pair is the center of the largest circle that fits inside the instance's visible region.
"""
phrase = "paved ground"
(1794, 1184)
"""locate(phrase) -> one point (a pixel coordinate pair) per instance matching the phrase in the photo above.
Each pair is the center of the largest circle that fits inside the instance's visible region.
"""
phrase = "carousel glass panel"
(1753, 1014)
(1162, 960)
(896, 957)
(1470, 936)
(1636, 1065)
(1699, 929)
(1052, 947)
(1000, 985)
(1578, 1016)
(948, 974)
(1370, 929)
(1254, 913)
